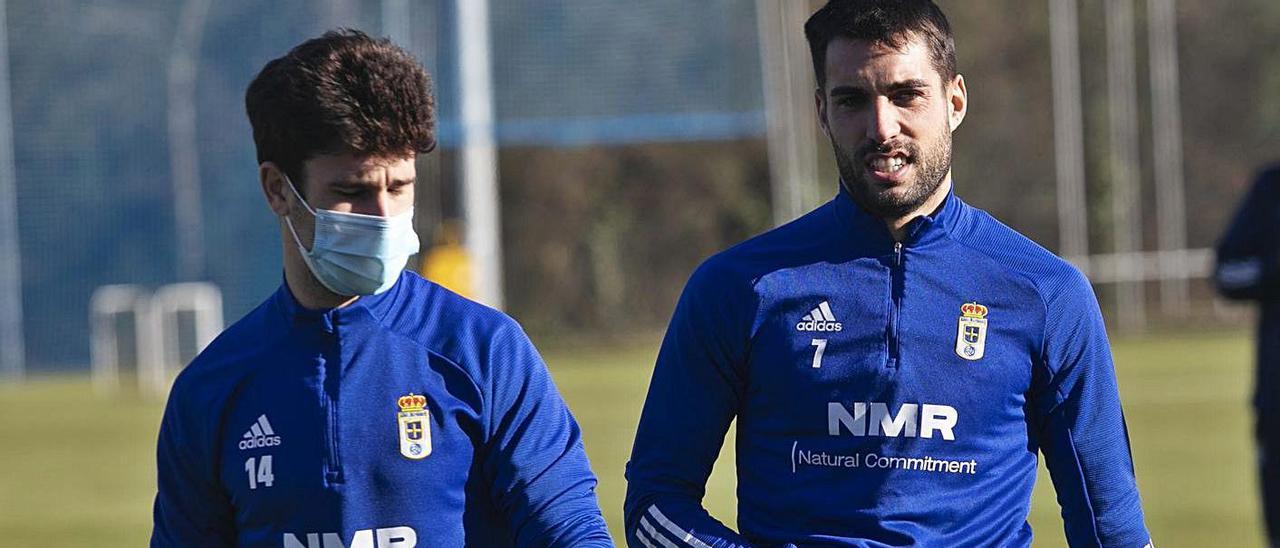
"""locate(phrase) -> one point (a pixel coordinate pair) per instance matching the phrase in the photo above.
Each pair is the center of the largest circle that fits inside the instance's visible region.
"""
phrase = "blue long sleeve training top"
(414, 417)
(886, 394)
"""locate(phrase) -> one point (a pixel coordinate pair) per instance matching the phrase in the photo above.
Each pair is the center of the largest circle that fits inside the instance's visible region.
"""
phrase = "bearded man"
(896, 360)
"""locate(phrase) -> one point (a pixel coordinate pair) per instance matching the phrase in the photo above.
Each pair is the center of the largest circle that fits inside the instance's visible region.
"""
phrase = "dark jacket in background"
(1248, 268)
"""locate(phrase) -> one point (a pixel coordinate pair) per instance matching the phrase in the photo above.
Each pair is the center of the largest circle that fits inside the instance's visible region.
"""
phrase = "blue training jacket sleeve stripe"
(646, 531)
(694, 394)
(675, 529)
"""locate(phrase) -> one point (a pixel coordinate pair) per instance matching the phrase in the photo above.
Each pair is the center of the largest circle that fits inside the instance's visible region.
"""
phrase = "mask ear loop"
(289, 182)
(305, 252)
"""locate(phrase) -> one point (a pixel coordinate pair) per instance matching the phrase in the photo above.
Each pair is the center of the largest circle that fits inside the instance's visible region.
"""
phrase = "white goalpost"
(157, 333)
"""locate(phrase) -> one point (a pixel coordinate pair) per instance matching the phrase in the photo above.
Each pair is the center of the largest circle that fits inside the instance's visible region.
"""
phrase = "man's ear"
(274, 188)
(820, 104)
(957, 101)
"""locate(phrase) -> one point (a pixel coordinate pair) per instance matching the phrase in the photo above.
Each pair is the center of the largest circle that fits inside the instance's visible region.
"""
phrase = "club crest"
(415, 426)
(971, 334)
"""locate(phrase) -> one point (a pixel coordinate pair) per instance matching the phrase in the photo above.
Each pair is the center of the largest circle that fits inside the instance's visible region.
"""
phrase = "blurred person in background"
(1248, 268)
(447, 262)
(895, 359)
(360, 401)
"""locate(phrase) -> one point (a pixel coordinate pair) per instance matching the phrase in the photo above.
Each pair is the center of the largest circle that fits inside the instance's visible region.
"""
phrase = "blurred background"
(592, 153)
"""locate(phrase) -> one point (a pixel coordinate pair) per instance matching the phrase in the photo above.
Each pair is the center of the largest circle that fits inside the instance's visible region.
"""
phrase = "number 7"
(817, 354)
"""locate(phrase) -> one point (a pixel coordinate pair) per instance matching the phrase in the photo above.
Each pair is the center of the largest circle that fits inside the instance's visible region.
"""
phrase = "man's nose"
(383, 203)
(885, 124)
(376, 203)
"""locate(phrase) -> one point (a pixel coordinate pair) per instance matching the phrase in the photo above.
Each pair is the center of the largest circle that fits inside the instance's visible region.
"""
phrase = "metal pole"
(789, 108)
(1125, 175)
(184, 152)
(479, 151)
(12, 349)
(1166, 128)
(1068, 130)
(397, 25)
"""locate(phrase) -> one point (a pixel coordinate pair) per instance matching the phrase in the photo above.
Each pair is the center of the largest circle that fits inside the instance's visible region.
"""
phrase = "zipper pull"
(897, 251)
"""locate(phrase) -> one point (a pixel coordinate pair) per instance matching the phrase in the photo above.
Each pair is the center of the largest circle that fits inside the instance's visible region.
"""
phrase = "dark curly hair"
(889, 22)
(343, 92)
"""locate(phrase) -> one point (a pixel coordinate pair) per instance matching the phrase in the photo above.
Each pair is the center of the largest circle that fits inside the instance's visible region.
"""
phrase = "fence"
(132, 161)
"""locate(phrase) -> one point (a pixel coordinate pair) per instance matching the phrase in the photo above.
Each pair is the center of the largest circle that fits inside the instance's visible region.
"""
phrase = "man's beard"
(930, 169)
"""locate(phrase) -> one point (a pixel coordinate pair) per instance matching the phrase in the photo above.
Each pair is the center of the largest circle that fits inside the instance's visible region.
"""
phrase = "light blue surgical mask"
(354, 254)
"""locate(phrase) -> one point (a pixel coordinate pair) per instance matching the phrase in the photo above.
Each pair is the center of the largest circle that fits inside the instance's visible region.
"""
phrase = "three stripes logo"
(656, 531)
(259, 435)
(819, 319)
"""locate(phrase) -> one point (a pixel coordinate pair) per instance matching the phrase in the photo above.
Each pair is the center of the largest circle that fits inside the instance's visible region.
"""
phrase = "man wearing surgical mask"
(361, 405)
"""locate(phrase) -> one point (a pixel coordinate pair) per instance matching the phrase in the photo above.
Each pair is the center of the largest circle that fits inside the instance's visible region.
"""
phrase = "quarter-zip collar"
(366, 310)
(326, 330)
(870, 234)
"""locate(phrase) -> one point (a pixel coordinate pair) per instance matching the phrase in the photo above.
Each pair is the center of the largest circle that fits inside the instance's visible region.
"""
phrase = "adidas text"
(260, 441)
(819, 326)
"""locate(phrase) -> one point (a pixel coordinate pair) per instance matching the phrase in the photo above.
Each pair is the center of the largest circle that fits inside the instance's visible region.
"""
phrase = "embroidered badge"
(415, 426)
(971, 335)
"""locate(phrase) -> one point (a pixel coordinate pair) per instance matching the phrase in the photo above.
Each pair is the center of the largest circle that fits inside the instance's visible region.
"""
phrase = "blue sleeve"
(1082, 431)
(1248, 256)
(191, 509)
(694, 394)
(534, 454)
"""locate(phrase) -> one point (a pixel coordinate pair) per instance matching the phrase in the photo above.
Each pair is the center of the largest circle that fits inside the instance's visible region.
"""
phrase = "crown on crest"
(973, 310)
(411, 403)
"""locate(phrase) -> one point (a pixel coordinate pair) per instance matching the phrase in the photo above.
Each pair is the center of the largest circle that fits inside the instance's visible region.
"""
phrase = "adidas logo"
(259, 435)
(820, 319)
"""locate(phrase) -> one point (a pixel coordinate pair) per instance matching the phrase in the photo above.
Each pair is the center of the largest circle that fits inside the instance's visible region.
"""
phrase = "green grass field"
(79, 471)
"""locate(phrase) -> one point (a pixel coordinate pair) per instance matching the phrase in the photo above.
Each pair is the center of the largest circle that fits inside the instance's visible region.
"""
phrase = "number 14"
(261, 474)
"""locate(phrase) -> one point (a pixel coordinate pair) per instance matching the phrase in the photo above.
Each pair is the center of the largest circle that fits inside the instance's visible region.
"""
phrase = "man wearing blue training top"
(895, 359)
(363, 406)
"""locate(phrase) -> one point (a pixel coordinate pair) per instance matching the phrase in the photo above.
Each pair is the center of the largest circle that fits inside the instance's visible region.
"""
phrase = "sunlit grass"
(76, 470)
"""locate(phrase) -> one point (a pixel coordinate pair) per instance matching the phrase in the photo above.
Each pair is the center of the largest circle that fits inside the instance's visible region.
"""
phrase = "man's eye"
(906, 97)
(851, 101)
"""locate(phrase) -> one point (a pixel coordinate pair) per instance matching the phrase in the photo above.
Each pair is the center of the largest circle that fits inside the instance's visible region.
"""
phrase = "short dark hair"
(343, 92)
(889, 22)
